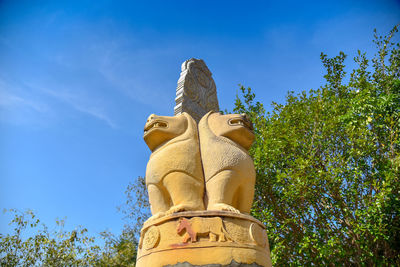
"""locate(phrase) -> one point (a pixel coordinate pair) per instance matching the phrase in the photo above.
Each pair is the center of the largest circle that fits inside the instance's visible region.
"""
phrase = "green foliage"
(118, 251)
(60, 247)
(136, 208)
(328, 165)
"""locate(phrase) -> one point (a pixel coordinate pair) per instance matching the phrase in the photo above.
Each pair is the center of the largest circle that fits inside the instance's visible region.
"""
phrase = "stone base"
(232, 264)
(203, 238)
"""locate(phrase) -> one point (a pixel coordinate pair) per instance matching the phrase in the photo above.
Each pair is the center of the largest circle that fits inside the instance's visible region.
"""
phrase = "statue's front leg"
(221, 192)
(186, 192)
(159, 201)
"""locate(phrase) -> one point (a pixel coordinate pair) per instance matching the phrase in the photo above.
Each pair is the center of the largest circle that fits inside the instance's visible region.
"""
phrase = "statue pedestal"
(202, 238)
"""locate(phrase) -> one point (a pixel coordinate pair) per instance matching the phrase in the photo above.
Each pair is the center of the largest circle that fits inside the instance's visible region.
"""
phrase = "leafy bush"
(328, 164)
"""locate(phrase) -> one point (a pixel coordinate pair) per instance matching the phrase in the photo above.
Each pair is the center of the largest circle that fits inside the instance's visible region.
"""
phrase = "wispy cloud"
(29, 99)
(81, 104)
(12, 100)
(132, 70)
(95, 112)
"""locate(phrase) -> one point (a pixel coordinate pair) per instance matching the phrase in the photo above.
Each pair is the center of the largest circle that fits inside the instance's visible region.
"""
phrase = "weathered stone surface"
(228, 168)
(232, 264)
(203, 238)
(174, 175)
(196, 91)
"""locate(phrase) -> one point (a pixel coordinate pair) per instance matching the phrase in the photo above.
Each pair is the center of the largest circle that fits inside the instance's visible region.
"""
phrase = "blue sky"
(79, 78)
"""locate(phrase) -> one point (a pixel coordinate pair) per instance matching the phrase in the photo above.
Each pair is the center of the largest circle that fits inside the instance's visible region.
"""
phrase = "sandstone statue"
(228, 168)
(174, 175)
(200, 180)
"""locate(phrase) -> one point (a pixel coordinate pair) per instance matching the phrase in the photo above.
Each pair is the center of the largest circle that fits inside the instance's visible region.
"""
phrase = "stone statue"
(174, 175)
(200, 179)
(228, 168)
(196, 91)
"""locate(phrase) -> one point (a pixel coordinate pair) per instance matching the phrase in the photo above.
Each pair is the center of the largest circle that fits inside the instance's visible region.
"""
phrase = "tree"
(61, 248)
(118, 251)
(136, 208)
(328, 164)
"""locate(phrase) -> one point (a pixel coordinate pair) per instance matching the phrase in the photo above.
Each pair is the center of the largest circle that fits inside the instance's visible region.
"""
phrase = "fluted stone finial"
(196, 92)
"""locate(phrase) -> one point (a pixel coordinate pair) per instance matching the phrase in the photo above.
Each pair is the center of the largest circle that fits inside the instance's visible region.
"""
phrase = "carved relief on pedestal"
(258, 235)
(228, 168)
(196, 226)
(238, 231)
(187, 233)
(151, 238)
(174, 175)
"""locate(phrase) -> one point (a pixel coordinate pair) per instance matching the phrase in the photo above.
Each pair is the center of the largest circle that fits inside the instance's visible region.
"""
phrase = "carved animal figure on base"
(197, 226)
(174, 176)
(228, 168)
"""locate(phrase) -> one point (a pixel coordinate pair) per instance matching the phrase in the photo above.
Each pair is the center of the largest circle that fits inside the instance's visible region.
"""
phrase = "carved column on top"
(196, 92)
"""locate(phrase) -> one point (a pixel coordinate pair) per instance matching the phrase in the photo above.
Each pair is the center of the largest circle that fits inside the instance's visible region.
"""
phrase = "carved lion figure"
(228, 168)
(174, 176)
(198, 226)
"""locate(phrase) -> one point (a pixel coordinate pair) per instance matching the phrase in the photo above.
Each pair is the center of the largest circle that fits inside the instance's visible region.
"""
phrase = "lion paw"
(177, 208)
(183, 207)
(222, 206)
